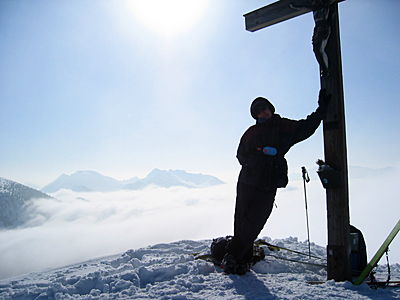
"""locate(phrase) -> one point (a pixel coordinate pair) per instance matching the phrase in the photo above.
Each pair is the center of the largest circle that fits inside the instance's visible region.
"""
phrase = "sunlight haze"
(168, 18)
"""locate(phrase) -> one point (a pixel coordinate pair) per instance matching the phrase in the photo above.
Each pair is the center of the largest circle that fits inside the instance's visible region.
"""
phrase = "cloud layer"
(80, 226)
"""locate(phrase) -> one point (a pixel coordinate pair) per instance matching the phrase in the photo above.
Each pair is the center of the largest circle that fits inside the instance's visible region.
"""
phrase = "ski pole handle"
(305, 174)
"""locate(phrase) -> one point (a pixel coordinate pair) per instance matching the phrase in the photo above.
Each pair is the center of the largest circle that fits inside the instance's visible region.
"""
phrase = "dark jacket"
(269, 172)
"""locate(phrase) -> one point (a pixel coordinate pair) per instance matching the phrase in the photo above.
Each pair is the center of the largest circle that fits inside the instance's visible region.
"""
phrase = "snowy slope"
(15, 201)
(169, 271)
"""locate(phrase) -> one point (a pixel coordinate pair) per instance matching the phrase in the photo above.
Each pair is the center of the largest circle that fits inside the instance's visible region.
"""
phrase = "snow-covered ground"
(170, 271)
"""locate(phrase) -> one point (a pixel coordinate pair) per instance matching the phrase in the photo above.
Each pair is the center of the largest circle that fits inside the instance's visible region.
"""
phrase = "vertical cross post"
(337, 199)
(338, 251)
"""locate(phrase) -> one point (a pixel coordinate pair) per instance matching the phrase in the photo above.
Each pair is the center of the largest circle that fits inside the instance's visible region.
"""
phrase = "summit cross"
(326, 46)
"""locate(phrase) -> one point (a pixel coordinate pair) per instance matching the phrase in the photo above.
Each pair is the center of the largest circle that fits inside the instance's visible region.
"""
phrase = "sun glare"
(168, 17)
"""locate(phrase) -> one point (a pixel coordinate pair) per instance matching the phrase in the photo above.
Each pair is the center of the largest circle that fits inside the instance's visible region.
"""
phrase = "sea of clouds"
(75, 227)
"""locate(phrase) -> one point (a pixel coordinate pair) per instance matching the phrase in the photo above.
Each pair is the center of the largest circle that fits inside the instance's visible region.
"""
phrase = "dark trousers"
(253, 207)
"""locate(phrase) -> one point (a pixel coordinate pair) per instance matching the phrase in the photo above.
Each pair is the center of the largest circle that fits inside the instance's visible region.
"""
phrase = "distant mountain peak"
(169, 178)
(87, 180)
(83, 181)
(63, 175)
(84, 172)
(156, 171)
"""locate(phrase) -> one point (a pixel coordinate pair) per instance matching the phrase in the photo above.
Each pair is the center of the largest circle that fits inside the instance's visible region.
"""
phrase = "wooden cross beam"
(274, 13)
(338, 250)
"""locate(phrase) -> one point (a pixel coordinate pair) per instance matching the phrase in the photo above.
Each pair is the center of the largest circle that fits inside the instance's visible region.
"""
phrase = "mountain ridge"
(88, 180)
(15, 201)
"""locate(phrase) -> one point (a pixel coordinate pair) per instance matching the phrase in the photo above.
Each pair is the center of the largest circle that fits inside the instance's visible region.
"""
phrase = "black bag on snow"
(358, 254)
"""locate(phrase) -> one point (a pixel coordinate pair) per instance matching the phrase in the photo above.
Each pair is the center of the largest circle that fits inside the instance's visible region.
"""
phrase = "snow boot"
(231, 266)
(242, 268)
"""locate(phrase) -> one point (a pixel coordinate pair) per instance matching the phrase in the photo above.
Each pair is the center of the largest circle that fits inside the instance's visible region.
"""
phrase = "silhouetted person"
(261, 153)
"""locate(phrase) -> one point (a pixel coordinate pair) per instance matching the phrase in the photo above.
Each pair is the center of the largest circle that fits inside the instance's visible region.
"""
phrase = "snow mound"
(170, 271)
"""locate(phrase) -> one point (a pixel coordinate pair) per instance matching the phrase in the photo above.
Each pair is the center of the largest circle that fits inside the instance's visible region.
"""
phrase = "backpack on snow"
(219, 248)
(358, 254)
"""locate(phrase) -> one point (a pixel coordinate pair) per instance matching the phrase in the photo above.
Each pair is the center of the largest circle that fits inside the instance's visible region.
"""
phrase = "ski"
(374, 261)
(261, 242)
(209, 258)
(395, 283)
(277, 248)
(377, 284)
(206, 257)
(298, 261)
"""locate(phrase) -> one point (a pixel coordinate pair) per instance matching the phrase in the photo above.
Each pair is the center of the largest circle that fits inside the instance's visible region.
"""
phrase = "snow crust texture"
(170, 271)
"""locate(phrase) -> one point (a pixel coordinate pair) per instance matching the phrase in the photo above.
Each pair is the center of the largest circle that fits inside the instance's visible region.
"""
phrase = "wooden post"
(338, 249)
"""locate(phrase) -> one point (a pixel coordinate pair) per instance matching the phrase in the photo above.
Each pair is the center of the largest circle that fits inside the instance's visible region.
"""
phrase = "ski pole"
(306, 179)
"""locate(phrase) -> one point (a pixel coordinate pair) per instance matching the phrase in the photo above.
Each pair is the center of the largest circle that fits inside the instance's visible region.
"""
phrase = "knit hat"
(258, 105)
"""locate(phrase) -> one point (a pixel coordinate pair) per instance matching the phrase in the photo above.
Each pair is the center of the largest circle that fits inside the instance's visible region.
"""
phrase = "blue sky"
(93, 85)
